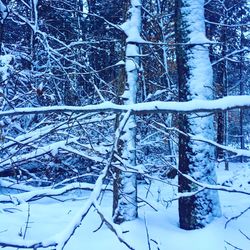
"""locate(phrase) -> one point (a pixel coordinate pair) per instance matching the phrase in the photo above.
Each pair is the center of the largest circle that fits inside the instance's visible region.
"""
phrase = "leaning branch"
(213, 186)
(238, 152)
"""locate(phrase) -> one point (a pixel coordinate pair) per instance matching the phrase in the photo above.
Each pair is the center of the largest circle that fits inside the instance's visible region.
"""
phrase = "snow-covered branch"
(211, 186)
(194, 106)
(60, 239)
(238, 152)
(45, 192)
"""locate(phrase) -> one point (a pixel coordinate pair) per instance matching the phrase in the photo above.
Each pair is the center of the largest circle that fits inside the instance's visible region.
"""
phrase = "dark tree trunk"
(221, 91)
(242, 141)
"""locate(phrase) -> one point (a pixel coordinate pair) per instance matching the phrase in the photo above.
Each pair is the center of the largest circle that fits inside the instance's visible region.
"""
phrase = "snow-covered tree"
(195, 83)
(125, 184)
(89, 97)
(227, 23)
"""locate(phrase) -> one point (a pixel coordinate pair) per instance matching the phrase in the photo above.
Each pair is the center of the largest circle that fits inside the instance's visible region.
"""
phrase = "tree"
(114, 55)
(3, 15)
(125, 183)
(225, 22)
(195, 83)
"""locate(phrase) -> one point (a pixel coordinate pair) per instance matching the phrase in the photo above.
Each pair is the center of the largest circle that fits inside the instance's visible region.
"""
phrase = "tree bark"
(195, 83)
(125, 185)
(221, 91)
(3, 14)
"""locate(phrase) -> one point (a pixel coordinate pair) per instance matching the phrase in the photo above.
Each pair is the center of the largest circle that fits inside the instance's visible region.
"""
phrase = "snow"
(195, 18)
(3, 11)
(35, 5)
(225, 103)
(125, 205)
(52, 222)
(4, 66)
(206, 205)
(50, 219)
(132, 28)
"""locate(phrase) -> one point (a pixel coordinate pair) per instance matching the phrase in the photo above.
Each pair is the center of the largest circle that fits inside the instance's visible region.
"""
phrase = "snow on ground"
(49, 216)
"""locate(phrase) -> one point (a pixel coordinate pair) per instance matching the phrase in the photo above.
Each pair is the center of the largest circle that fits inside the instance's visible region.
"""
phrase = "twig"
(155, 243)
(212, 186)
(112, 226)
(244, 235)
(143, 200)
(230, 244)
(237, 216)
(147, 233)
(27, 222)
(45, 192)
(99, 227)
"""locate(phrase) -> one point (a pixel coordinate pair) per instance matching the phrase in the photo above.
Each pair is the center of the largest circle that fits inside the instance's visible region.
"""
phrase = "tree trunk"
(125, 186)
(242, 142)
(3, 14)
(221, 91)
(195, 82)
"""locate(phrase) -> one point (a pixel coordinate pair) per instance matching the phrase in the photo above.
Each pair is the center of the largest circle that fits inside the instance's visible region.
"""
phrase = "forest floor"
(153, 230)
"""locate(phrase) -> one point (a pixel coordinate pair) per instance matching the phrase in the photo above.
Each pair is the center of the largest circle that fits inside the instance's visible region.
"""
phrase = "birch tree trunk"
(125, 186)
(195, 82)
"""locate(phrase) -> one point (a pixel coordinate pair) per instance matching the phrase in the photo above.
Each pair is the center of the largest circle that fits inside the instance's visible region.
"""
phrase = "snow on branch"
(60, 239)
(24, 244)
(238, 152)
(39, 151)
(45, 192)
(210, 186)
(215, 187)
(194, 106)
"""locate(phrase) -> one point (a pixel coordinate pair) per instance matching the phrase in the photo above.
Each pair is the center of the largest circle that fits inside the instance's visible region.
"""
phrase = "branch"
(231, 54)
(45, 192)
(244, 234)
(209, 186)
(237, 216)
(112, 226)
(214, 187)
(194, 106)
(235, 248)
(238, 152)
(228, 25)
(60, 240)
